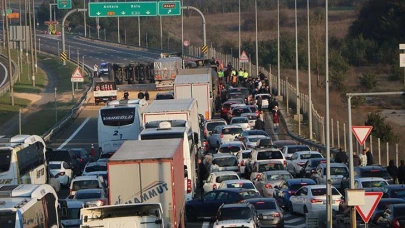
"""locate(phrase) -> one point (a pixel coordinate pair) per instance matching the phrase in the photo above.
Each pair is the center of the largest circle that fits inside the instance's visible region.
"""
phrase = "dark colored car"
(236, 95)
(394, 191)
(270, 214)
(288, 187)
(68, 156)
(237, 111)
(83, 156)
(366, 171)
(165, 96)
(310, 165)
(226, 106)
(393, 216)
(241, 90)
(208, 204)
(382, 205)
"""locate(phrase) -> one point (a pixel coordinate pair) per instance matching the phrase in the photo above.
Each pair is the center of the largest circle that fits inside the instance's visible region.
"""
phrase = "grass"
(8, 111)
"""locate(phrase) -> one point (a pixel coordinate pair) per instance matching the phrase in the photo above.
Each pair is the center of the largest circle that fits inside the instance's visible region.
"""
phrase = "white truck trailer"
(197, 83)
(149, 171)
(165, 71)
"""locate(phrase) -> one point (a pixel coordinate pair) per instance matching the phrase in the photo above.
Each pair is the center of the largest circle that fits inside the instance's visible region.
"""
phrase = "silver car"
(337, 171)
(251, 140)
(266, 181)
(233, 147)
(269, 213)
(229, 133)
(221, 162)
(91, 197)
(243, 122)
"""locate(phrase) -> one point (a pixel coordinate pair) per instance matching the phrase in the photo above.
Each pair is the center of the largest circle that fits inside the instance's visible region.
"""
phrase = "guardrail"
(6, 87)
(47, 136)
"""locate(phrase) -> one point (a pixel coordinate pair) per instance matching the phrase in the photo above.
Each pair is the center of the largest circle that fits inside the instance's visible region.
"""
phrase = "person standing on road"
(341, 157)
(146, 95)
(370, 160)
(259, 102)
(401, 173)
(259, 124)
(141, 95)
(363, 158)
(202, 172)
(392, 169)
(95, 70)
(276, 119)
(126, 95)
(356, 159)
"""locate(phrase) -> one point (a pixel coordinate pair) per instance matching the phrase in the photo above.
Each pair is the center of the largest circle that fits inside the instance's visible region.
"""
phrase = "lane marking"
(5, 76)
(294, 220)
(206, 224)
(74, 133)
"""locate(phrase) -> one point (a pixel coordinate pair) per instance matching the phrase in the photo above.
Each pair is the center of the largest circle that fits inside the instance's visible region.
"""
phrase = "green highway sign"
(64, 4)
(134, 9)
(169, 8)
(122, 9)
(8, 11)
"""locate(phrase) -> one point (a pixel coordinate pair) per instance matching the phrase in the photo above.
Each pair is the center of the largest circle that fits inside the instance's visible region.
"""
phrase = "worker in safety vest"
(241, 76)
(221, 75)
(234, 80)
(245, 75)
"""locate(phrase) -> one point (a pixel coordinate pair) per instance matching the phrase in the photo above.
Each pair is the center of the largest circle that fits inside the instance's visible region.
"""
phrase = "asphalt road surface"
(3, 74)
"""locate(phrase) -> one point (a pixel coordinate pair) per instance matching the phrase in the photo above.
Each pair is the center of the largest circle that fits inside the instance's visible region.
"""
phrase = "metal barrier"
(6, 87)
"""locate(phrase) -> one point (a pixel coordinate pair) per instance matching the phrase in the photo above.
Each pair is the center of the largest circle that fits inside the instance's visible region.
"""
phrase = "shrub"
(380, 129)
(368, 81)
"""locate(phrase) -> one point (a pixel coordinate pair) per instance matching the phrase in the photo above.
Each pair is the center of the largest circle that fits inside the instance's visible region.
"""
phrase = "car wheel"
(290, 208)
(305, 209)
(191, 215)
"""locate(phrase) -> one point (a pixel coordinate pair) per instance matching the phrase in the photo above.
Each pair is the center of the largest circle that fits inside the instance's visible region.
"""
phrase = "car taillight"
(301, 163)
(189, 189)
(313, 171)
(101, 202)
(285, 163)
(221, 136)
(268, 186)
(316, 201)
(249, 146)
(214, 186)
(291, 192)
(60, 174)
(80, 160)
(395, 223)
(276, 214)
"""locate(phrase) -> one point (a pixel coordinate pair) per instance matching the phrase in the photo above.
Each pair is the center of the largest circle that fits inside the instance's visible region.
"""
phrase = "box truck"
(104, 90)
(197, 83)
(149, 171)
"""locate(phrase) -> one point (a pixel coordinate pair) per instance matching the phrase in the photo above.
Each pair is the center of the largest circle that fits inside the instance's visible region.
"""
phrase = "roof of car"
(214, 120)
(219, 155)
(89, 190)
(276, 172)
(369, 179)
(394, 186)
(254, 200)
(334, 164)
(236, 190)
(300, 180)
(56, 162)
(267, 149)
(257, 136)
(371, 167)
(231, 143)
(85, 178)
(224, 173)
(297, 146)
(307, 152)
(317, 186)
(232, 126)
(236, 181)
(97, 163)
(239, 117)
(231, 101)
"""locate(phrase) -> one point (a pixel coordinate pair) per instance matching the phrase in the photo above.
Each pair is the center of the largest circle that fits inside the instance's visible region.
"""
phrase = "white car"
(369, 182)
(86, 182)
(237, 215)
(312, 198)
(266, 154)
(298, 159)
(243, 122)
(216, 178)
(250, 141)
(61, 171)
(247, 184)
(289, 150)
(229, 133)
(96, 169)
(243, 159)
(233, 147)
(252, 117)
(265, 99)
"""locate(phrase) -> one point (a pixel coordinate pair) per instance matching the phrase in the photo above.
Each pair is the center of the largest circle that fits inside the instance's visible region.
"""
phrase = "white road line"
(206, 224)
(74, 133)
(5, 76)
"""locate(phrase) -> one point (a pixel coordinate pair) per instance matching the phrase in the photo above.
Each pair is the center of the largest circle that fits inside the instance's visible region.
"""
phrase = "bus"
(119, 121)
(28, 205)
(166, 131)
(23, 160)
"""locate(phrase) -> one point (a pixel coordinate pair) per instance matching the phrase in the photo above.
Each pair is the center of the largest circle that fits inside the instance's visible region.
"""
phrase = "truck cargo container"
(165, 71)
(104, 90)
(149, 171)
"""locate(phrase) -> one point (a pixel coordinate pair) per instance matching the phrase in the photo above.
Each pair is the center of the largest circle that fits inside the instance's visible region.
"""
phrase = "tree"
(317, 20)
(368, 81)
(380, 129)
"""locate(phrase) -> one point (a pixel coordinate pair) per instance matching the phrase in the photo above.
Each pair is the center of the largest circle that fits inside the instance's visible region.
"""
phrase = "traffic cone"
(92, 153)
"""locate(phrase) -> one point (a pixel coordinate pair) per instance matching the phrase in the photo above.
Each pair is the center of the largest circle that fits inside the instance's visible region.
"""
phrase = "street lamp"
(257, 44)
(278, 50)
(309, 77)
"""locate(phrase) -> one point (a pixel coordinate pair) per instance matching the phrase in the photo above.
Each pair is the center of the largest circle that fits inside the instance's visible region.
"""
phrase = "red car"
(226, 106)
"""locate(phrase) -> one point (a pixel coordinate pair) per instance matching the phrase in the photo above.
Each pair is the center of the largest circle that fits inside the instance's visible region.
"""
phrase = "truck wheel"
(191, 216)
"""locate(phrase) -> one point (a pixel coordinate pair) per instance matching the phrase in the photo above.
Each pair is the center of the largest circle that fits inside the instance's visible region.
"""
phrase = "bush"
(380, 129)
(368, 81)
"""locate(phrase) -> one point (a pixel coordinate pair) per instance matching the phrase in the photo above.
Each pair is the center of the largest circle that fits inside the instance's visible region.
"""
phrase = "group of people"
(141, 95)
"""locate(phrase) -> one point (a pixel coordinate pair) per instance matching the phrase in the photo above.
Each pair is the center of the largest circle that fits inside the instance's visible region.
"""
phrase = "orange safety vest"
(234, 79)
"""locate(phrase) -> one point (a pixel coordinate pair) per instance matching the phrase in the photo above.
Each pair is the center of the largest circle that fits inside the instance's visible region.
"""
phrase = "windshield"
(240, 120)
(295, 187)
(234, 213)
(226, 177)
(85, 184)
(231, 131)
(309, 156)
(73, 213)
(5, 159)
(271, 166)
(163, 136)
(96, 168)
(336, 171)
(322, 192)
(229, 149)
(315, 163)
(371, 184)
(225, 162)
(375, 173)
(260, 205)
(266, 155)
(7, 219)
(117, 116)
(241, 185)
(294, 149)
(277, 177)
(211, 126)
(54, 166)
(89, 195)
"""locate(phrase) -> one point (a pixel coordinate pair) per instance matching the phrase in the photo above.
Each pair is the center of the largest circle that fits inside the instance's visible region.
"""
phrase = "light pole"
(118, 29)
(56, 107)
(39, 44)
(257, 44)
(239, 38)
(84, 19)
(309, 76)
(182, 32)
(296, 71)
(6, 38)
(139, 30)
(278, 50)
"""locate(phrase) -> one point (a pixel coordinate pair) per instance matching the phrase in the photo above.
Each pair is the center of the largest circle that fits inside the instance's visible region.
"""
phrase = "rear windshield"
(322, 192)
(235, 95)
(212, 125)
(229, 149)
(85, 184)
(106, 155)
(295, 187)
(226, 177)
(270, 167)
(371, 184)
(231, 131)
(60, 156)
(249, 194)
(246, 155)
(54, 166)
(266, 155)
(240, 120)
(375, 173)
(90, 195)
(309, 156)
(282, 176)
(292, 150)
(337, 171)
(164, 97)
(241, 185)
(315, 163)
(400, 193)
(240, 110)
(264, 205)
(254, 139)
(233, 213)
(225, 162)
(96, 168)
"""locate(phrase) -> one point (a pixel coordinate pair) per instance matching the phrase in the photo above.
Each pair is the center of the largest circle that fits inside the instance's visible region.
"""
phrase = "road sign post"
(243, 58)
(77, 76)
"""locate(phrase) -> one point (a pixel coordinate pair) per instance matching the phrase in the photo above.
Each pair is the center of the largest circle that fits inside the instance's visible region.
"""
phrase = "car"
(207, 205)
(96, 168)
(221, 162)
(254, 132)
(298, 159)
(254, 110)
(103, 69)
(382, 205)
(312, 198)
(265, 99)
(86, 182)
(289, 150)
(243, 159)
(367, 171)
(280, 143)
(68, 156)
(91, 197)
(243, 122)
(165, 96)
(310, 166)
(267, 154)
(269, 213)
(233, 147)
(263, 166)
(393, 216)
(83, 156)
(238, 110)
(242, 90)
(61, 171)
(337, 172)
(216, 178)
(246, 184)
(266, 181)
(214, 138)
(209, 126)
(394, 191)
(265, 143)
(236, 95)
(70, 212)
(369, 182)
(237, 215)
(105, 160)
(229, 133)
(226, 106)
(251, 117)
(250, 141)
(106, 155)
(282, 192)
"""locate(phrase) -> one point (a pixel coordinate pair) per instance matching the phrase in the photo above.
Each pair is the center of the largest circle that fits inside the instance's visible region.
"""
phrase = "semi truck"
(104, 90)
(198, 83)
(165, 71)
(175, 109)
(149, 171)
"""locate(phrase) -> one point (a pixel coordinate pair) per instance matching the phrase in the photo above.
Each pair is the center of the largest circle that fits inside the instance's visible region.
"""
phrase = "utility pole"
(309, 76)
(2, 23)
(35, 37)
(26, 33)
(278, 50)
(10, 72)
(31, 42)
(85, 19)
(296, 71)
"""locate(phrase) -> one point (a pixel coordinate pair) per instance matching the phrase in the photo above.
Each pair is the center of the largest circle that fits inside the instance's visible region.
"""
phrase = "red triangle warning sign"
(361, 133)
(77, 73)
(243, 57)
(371, 201)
